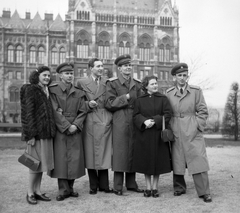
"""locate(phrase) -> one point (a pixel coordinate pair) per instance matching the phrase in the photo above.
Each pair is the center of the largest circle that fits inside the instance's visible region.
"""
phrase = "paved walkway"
(10, 134)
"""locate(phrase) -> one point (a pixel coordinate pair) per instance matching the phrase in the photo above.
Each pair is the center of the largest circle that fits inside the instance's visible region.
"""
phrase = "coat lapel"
(101, 89)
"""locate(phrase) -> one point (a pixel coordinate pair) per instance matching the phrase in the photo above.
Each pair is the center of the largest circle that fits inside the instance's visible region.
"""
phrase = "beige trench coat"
(97, 132)
(188, 122)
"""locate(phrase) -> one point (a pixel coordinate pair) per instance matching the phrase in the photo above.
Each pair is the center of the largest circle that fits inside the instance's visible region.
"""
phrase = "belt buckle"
(181, 115)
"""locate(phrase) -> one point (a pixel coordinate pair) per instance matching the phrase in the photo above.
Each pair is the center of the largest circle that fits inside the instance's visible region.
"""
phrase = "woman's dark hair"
(146, 80)
(34, 76)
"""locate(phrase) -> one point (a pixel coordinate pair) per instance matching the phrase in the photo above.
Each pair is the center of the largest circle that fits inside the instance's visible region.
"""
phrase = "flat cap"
(67, 66)
(181, 67)
(123, 59)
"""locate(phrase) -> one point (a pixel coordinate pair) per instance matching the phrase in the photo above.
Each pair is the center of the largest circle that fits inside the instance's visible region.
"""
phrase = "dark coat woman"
(151, 154)
(38, 128)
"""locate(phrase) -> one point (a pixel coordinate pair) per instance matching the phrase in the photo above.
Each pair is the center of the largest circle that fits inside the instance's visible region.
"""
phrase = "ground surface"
(224, 183)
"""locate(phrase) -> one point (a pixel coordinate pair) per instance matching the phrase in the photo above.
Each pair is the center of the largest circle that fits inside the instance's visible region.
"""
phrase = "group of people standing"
(101, 124)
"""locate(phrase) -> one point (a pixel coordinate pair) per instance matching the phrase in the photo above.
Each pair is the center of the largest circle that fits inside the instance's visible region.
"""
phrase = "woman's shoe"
(42, 197)
(147, 193)
(155, 193)
(31, 199)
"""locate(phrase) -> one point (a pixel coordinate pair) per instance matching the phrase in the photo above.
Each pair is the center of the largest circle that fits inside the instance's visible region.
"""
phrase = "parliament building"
(148, 30)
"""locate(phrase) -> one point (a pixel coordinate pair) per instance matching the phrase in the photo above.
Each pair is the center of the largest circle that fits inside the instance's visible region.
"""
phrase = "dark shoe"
(155, 193)
(135, 190)
(31, 199)
(147, 193)
(206, 198)
(61, 197)
(179, 193)
(73, 194)
(109, 190)
(93, 191)
(42, 197)
(118, 192)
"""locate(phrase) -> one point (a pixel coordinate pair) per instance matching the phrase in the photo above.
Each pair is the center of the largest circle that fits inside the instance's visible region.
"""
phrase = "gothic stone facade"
(146, 29)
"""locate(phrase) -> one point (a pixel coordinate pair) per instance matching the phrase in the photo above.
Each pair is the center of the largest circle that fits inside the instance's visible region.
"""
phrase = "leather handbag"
(29, 161)
(167, 134)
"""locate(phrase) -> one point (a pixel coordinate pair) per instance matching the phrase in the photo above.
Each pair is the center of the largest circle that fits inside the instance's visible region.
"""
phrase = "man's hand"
(72, 129)
(92, 104)
(128, 96)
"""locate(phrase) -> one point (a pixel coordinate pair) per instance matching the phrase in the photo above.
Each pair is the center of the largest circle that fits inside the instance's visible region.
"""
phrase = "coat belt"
(184, 114)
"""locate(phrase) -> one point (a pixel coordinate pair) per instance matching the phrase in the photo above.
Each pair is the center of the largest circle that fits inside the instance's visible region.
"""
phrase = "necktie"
(181, 91)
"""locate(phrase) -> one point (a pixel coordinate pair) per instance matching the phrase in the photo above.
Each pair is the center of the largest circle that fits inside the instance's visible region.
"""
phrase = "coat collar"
(185, 92)
(156, 94)
(122, 81)
(64, 87)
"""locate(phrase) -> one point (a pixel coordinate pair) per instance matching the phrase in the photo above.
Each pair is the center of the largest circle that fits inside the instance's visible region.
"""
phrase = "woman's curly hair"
(146, 80)
(34, 75)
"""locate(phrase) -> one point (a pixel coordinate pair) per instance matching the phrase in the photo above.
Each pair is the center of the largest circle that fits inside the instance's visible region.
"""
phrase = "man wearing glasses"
(121, 93)
(189, 119)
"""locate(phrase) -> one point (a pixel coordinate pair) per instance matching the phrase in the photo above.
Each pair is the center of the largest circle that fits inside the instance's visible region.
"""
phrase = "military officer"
(121, 93)
(189, 119)
(69, 113)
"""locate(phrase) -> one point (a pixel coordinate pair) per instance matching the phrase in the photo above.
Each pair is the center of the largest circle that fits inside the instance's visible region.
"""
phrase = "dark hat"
(181, 67)
(67, 66)
(123, 59)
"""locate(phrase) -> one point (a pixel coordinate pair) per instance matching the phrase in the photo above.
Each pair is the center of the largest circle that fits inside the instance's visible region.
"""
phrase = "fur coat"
(36, 113)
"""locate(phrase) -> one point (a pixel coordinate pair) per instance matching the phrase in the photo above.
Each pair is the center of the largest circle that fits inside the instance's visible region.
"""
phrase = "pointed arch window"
(124, 47)
(167, 53)
(41, 55)
(161, 53)
(82, 49)
(62, 55)
(104, 50)
(14, 94)
(10, 53)
(32, 58)
(19, 54)
(144, 52)
(54, 55)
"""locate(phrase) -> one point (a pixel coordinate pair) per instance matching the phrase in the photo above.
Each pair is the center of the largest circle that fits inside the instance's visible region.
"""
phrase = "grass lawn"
(224, 158)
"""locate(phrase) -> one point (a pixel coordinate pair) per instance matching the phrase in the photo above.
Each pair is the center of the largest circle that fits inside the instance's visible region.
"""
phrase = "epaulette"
(53, 84)
(170, 89)
(137, 80)
(112, 79)
(194, 87)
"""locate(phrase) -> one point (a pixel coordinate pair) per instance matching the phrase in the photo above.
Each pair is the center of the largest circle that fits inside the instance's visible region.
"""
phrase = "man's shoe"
(108, 190)
(42, 197)
(135, 190)
(73, 194)
(118, 192)
(31, 199)
(206, 198)
(61, 197)
(179, 193)
(93, 191)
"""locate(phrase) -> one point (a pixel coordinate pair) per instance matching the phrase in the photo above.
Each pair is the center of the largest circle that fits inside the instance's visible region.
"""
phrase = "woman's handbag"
(29, 161)
(167, 134)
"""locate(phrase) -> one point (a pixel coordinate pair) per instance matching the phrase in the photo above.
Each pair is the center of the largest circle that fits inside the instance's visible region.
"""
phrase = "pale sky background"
(209, 33)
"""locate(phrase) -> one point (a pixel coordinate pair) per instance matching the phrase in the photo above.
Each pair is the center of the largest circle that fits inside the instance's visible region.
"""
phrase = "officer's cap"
(123, 59)
(65, 67)
(178, 68)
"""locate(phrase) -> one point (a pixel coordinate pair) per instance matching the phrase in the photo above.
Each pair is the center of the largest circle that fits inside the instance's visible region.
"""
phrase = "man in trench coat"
(189, 119)
(97, 133)
(70, 111)
(121, 93)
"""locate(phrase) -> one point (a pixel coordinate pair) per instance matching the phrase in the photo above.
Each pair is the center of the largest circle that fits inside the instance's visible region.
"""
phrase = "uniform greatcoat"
(69, 108)
(97, 134)
(122, 109)
(188, 122)
(151, 155)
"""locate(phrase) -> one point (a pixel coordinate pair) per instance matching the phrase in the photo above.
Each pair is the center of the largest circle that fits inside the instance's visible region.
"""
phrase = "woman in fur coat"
(38, 128)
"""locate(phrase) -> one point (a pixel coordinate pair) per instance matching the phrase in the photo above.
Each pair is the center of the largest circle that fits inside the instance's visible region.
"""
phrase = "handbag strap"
(163, 122)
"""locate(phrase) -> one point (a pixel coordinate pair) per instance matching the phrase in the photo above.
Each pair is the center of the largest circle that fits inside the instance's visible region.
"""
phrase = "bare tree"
(196, 77)
(232, 112)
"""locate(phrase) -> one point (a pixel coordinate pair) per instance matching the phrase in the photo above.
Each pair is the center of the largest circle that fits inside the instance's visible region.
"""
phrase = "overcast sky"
(209, 33)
